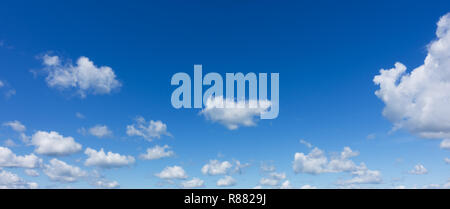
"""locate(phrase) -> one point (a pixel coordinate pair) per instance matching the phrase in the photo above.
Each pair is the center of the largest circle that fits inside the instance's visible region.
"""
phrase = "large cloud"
(419, 101)
(233, 114)
(147, 130)
(52, 143)
(85, 77)
(107, 160)
(60, 171)
(9, 159)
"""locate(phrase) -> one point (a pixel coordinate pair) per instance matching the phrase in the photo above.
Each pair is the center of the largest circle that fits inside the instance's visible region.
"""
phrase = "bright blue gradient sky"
(327, 55)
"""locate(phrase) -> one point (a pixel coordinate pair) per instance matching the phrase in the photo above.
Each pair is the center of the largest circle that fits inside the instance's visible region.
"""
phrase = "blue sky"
(327, 55)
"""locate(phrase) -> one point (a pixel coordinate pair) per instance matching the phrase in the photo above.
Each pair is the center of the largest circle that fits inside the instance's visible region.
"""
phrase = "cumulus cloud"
(10, 180)
(54, 144)
(418, 169)
(445, 144)
(100, 131)
(60, 171)
(15, 125)
(268, 182)
(317, 162)
(233, 114)
(362, 175)
(174, 172)
(226, 181)
(106, 160)
(84, 76)
(32, 172)
(157, 152)
(193, 183)
(418, 101)
(148, 130)
(215, 167)
(106, 184)
(9, 159)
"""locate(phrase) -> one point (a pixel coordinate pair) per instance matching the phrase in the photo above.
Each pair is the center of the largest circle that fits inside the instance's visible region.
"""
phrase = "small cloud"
(307, 144)
(418, 169)
(16, 126)
(371, 136)
(147, 130)
(79, 115)
(174, 172)
(157, 152)
(226, 181)
(215, 167)
(445, 144)
(107, 160)
(193, 183)
(100, 131)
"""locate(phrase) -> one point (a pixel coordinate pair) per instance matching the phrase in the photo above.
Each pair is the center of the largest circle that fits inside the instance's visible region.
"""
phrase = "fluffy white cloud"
(157, 152)
(316, 162)
(307, 186)
(100, 131)
(174, 172)
(147, 130)
(214, 167)
(445, 144)
(226, 181)
(106, 184)
(32, 172)
(106, 160)
(10, 180)
(193, 183)
(52, 143)
(85, 77)
(60, 171)
(268, 182)
(362, 175)
(419, 100)
(418, 169)
(9, 159)
(15, 125)
(233, 114)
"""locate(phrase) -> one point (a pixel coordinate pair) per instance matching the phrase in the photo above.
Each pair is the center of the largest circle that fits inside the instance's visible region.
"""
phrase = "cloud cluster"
(172, 172)
(60, 171)
(419, 100)
(148, 130)
(9, 159)
(157, 152)
(107, 160)
(215, 167)
(85, 77)
(233, 114)
(10, 180)
(54, 144)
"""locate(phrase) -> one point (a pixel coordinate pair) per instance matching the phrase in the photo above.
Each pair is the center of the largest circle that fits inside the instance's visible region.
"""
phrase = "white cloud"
(193, 183)
(307, 186)
(419, 100)
(286, 185)
(9, 159)
(32, 172)
(1, 82)
(362, 175)
(418, 169)
(15, 125)
(85, 77)
(100, 131)
(445, 144)
(278, 176)
(149, 131)
(157, 152)
(268, 182)
(79, 115)
(316, 162)
(10, 180)
(54, 144)
(447, 160)
(174, 172)
(226, 181)
(233, 114)
(307, 144)
(266, 167)
(239, 167)
(106, 184)
(215, 167)
(9, 143)
(106, 160)
(60, 171)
